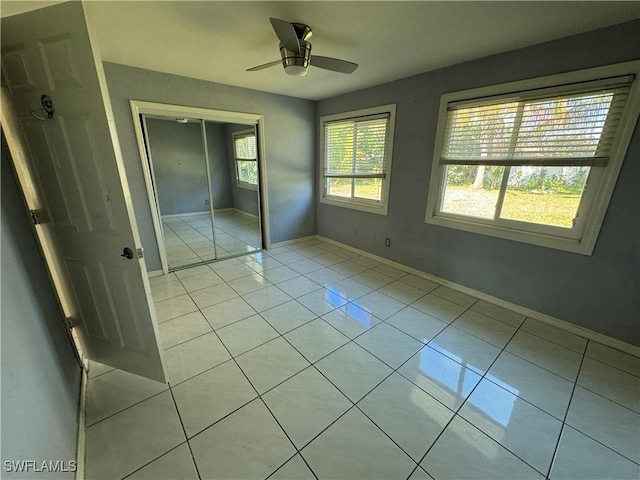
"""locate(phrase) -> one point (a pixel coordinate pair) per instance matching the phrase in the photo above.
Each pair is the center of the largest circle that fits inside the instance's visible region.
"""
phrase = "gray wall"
(244, 199)
(599, 292)
(290, 152)
(219, 165)
(179, 166)
(40, 374)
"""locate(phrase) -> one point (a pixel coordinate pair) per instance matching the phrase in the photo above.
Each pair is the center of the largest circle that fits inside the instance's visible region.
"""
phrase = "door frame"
(140, 107)
(33, 202)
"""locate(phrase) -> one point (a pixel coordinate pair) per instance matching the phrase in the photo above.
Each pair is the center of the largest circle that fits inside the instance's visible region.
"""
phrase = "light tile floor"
(189, 238)
(313, 362)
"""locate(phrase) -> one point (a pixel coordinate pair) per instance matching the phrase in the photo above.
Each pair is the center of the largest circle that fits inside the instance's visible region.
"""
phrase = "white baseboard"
(188, 214)
(302, 239)
(556, 322)
(246, 214)
(155, 273)
(207, 212)
(82, 430)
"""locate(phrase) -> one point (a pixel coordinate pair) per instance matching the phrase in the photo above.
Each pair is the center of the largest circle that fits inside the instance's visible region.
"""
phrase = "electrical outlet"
(387, 242)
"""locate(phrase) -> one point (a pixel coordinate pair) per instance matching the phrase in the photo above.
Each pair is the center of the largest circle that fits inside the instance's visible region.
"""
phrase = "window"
(356, 158)
(534, 161)
(246, 158)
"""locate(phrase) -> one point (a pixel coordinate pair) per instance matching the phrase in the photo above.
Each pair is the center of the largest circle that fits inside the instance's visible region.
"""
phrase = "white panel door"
(76, 159)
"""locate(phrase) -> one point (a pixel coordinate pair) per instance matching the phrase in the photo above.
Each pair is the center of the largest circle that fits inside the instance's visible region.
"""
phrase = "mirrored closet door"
(205, 177)
(233, 161)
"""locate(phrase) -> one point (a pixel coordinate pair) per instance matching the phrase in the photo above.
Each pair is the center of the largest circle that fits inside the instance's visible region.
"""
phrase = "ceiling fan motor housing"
(296, 63)
(295, 51)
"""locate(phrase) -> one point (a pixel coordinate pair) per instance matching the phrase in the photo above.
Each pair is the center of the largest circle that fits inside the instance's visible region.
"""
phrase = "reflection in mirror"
(233, 164)
(205, 178)
(182, 190)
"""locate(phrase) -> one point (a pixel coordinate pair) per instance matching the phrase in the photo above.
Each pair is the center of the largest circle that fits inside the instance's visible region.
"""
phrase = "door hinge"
(38, 217)
(71, 322)
(140, 252)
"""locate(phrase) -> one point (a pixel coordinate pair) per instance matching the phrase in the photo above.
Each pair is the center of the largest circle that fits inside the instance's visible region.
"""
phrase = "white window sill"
(363, 207)
(567, 244)
(247, 186)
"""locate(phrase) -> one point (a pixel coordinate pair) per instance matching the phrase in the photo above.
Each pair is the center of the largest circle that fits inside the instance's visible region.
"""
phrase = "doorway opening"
(206, 182)
(34, 204)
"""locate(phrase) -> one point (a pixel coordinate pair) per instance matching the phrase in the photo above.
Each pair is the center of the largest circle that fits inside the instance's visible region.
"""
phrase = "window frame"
(356, 203)
(600, 183)
(242, 134)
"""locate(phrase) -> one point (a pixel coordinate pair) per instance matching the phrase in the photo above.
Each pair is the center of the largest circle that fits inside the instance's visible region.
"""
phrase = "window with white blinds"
(547, 128)
(356, 152)
(533, 163)
(246, 158)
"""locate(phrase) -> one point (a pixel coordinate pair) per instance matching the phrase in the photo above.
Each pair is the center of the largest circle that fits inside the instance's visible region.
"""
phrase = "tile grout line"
(467, 308)
(588, 435)
(259, 396)
(128, 475)
(432, 292)
(354, 404)
(313, 365)
(285, 463)
(483, 377)
(169, 388)
(613, 366)
(504, 348)
(555, 342)
(564, 420)
(607, 398)
(188, 244)
(128, 407)
(426, 293)
(353, 340)
(456, 414)
(180, 237)
(233, 358)
(184, 430)
(454, 411)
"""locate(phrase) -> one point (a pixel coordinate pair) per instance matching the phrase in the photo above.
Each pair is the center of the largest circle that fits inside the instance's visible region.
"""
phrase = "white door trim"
(147, 167)
(139, 107)
(33, 201)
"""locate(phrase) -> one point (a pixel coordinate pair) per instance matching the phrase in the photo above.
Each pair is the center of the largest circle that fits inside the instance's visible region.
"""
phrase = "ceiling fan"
(295, 51)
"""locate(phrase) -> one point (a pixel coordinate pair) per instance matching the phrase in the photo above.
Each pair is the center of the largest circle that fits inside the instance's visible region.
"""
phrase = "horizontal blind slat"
(245, 147)
(357, 146)
(622, 81)
(569, 125)
(528, 161)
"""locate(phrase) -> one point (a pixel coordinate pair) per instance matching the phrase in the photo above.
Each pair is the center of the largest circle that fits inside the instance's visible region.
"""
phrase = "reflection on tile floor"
(309, 361)
(189, 238)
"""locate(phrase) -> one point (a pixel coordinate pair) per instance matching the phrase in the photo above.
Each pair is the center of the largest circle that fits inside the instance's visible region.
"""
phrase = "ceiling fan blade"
(334, 64)
(266, 65)
(286, 33)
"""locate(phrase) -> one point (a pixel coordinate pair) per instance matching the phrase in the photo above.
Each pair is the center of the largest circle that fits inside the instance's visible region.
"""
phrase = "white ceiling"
(219, 40)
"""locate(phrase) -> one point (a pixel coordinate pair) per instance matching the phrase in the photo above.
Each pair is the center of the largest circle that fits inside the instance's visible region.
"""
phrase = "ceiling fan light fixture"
(296, 70)
(296, 64)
